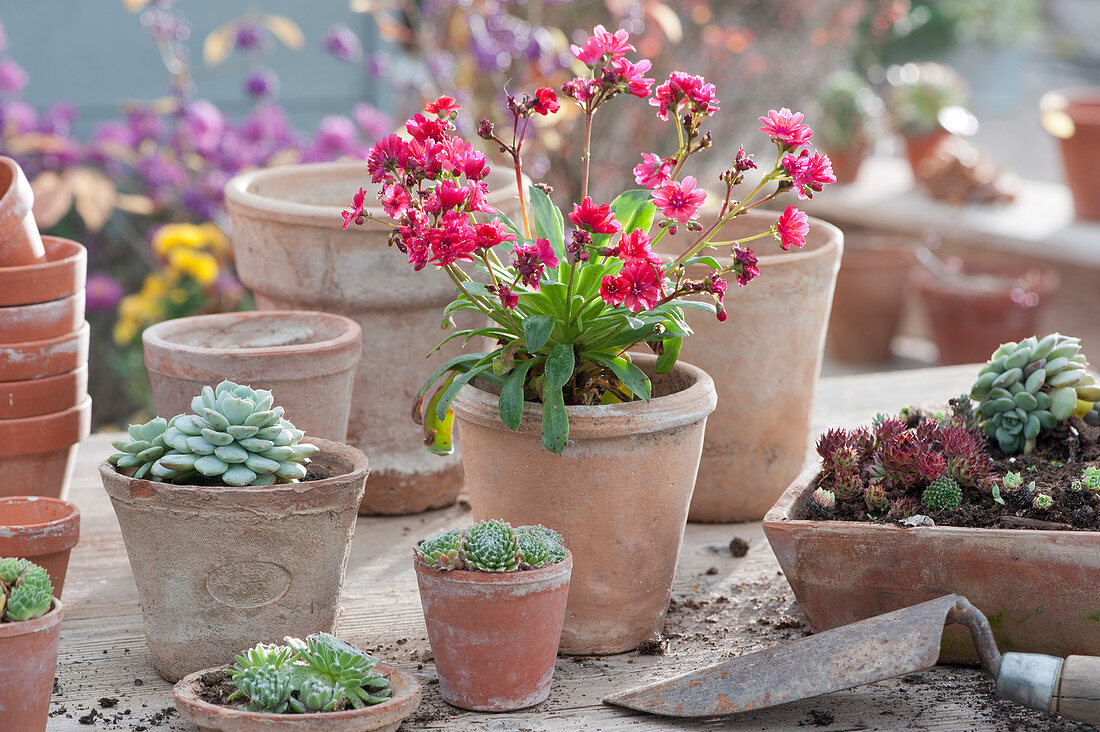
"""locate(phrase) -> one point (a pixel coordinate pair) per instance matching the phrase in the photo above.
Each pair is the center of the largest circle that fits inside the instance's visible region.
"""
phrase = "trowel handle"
(1069, 687)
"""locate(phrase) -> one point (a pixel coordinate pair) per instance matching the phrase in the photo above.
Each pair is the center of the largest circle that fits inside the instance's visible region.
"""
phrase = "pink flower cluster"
(684, 94)
(605, 53)
(809, 171)
(640, 284)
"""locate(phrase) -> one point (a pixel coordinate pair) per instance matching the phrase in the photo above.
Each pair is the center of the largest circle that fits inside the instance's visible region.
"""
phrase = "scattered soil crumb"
(738, 547)
(784, 622)
(711, 570)
(108, 702)
(655, 646)
(818, 718)
(90, 717)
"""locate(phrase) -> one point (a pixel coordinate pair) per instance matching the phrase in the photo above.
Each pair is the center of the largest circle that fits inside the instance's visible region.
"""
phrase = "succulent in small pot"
(30, 621)
(848, 110)
(918, 96)
(494, 604)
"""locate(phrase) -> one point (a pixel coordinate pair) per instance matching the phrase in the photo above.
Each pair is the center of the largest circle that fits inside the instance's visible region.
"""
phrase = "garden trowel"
(882, 647)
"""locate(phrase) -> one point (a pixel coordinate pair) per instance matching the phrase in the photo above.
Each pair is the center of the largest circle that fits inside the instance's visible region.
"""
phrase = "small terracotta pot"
(37, 454)
(61, 273)
(50, 357)
(1073, 116)
(846, 163)
(42, 320)
(494, 635)
(20, 242)
(292, 251)
(43, 530)
(219, 569)
(620, 489)
(34, 397)
(306, 359)
(1038, 588)
(384, 717)
(919, 148)
(28, 660)
(968, 324)
(870, 293)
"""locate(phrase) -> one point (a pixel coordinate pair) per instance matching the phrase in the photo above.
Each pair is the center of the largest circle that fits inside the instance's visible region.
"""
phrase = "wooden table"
(722, 606)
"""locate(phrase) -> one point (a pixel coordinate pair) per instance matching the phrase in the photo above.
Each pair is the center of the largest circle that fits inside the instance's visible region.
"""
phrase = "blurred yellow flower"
(200, 265)
(174, 236)
(125, 331)
(216, 240)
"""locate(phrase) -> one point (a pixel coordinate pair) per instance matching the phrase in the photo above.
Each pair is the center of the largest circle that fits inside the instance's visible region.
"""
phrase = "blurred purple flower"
(102, 293)
(229, 287)
(144, 123)
(114, 133)
(203, 197)
(57, 120)
(373, 122)
(12, 77)
(342, 43)
(262, 84)
(250, 36)
(379, 64)
(268, 122)
(18, 116)
(336, 136)
(201, 126)
(161, 176)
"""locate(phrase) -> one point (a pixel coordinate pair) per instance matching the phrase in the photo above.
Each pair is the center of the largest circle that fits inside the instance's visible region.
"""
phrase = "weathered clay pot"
(870, 293)
(1038, 588)
(494, 635)
(764, 361)
(846, 163)
(919, 148)
(620, 489)
(34, 397)
(293, 253)
(62, 272)
(42, 530)
(28, 659)
(968, 324)
(20, 242)
(219, 569)
(50, 357)
(41, 320)
(385, 717)
(37, 454)
(306, 359)
(1073, 116)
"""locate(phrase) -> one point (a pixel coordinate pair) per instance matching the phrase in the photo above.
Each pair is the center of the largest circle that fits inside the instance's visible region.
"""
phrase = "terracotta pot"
(620, 489)
(1038, 588)
(293, 253)
(20, 242)
(384, 717)
(306, 359)
(764, 361)
(42, 320)
(34, 397)
(846, 163)
(42, 530)
(919, 148)
(61, 273)
(50, 357)
(28, 660)
(1073, 116)
(968, 324)
(37, 454)
(870, 293)
(494, 635)
(219, 569)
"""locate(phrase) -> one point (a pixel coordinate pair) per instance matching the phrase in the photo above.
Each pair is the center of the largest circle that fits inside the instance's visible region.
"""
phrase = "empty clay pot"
(42, 530)
(219, 569)
(61, 273)
(494, 635)
(37, 454)
(292, 251)
(307, 360)
(41, 320)
(620, 489)
(384, 717)
(20, 242)
(50, 357)
(28, 660)
(33, 397)
(1073, 116)
(919, 148)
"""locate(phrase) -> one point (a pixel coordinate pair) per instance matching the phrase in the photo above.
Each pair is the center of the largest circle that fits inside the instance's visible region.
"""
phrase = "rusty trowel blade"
(878, 648)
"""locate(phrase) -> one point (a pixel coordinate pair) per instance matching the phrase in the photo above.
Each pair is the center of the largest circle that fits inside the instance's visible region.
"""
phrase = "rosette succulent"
(442, 551)
(143, 449)
(1031, 386)
(942, 494)
(492, 546)
(25, 590)
(540, 546)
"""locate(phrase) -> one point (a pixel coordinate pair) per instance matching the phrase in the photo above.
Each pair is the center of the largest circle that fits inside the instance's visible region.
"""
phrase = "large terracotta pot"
(870, 293)
(219, 569)
(921, 147)
(37, 454)
(43, 530)
(45, 395)
(20, 242)
(1073, 116)
(293, 253)
(306, 359)
(970, 318)
(764, 361)
(28, 660)
(1038, 588)
(494, 635)
(621, 489)
(384, 717)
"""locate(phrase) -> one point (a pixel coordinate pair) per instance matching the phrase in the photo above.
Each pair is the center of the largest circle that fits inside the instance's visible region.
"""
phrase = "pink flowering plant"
(566, 297)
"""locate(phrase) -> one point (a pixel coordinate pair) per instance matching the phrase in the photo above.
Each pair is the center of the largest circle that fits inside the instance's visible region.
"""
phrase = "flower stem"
(586, 153)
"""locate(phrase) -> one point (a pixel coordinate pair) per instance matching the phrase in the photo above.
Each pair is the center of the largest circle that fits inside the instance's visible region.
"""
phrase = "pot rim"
(66, 428)
(70, 522)
(659, 414)
(65, 263)
(1058, 100)
(519, 577)
(778, 518)
(81, 333)
(50, 380)
(402, 704)
(158, 344)
(35, 625)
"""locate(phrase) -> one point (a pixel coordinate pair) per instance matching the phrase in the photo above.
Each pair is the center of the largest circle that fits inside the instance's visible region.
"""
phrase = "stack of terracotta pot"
(45, 410)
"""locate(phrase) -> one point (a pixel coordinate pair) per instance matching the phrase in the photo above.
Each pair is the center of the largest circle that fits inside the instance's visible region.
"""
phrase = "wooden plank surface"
(722, 606)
